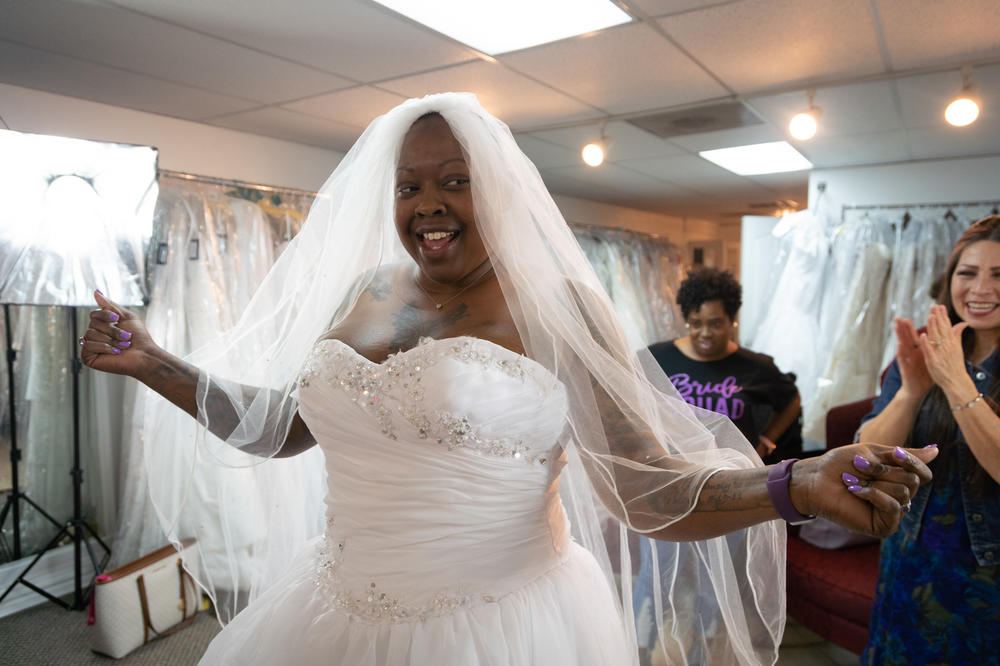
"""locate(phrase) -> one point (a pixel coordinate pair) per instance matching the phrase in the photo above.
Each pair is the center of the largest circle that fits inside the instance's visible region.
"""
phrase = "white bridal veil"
(632, 446)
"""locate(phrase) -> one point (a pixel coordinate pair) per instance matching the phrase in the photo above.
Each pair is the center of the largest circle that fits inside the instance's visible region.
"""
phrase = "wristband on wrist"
(778, 480)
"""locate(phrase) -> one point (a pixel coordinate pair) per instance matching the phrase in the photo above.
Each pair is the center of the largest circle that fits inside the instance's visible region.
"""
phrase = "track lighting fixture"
(804, 123)
(964, 109)
(593, 153)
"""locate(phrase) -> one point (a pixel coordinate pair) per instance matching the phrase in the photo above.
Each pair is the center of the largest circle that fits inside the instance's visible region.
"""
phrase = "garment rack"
(946, 205)
(230, 182)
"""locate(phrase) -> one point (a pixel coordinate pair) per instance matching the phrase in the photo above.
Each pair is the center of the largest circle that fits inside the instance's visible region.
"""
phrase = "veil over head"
(631, 446)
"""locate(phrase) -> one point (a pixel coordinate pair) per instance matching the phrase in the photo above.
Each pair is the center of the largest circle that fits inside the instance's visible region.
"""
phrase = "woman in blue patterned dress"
(938, 594)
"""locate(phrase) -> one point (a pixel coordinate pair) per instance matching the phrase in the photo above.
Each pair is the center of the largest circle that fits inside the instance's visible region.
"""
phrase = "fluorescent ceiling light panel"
(499, 26)
(773, 157)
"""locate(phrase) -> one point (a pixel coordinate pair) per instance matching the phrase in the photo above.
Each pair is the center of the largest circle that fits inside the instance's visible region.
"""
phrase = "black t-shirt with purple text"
(745, 386)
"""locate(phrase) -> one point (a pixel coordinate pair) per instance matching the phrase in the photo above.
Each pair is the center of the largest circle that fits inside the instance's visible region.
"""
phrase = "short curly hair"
(710, 284)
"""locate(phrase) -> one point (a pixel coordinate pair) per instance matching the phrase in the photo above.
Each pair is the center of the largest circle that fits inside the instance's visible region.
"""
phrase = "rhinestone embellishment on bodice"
(371, 603)
(400, 377)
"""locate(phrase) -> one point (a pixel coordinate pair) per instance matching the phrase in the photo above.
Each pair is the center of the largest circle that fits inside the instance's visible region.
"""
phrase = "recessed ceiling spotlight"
(964, 109)
(593, 153)
(804, 123)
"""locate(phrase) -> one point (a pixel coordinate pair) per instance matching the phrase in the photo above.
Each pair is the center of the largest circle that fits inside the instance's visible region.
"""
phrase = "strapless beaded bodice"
(439, 463)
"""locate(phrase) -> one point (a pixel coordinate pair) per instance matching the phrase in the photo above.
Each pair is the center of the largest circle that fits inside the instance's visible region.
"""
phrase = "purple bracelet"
(777, 487)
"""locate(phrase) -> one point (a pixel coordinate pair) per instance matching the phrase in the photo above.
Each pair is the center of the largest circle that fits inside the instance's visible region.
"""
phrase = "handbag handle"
(147, 624)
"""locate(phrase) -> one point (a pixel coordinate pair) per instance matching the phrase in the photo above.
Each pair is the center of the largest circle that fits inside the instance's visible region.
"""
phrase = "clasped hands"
(864, 487)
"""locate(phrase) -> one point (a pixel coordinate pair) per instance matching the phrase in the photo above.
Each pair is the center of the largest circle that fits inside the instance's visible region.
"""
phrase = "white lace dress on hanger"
(446, 542)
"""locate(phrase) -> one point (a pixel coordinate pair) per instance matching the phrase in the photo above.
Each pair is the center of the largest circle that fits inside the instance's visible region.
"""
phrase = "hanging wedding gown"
(446, 541)
(790, 332)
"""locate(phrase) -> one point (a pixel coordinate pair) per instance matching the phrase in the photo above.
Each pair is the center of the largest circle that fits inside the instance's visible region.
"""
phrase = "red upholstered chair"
(831, 591)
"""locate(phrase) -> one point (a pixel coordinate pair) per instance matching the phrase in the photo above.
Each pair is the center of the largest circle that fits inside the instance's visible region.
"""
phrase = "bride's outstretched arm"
(678, 483)
(863, 486)
(117, 342)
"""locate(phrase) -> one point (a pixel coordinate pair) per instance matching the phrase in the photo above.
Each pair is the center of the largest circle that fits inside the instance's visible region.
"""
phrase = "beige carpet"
(47, 635)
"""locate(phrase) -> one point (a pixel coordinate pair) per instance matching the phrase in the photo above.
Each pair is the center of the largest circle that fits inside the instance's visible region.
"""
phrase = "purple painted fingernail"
(849, 479)
(115, 350)
(99, 292)
(931, 446)
(124, 335)
(861, 463)
(855, 489)
(112, 317)
(899, 453)
(125, 344)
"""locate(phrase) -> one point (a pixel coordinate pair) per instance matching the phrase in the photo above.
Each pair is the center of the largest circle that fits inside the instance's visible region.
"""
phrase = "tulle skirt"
(567, 617)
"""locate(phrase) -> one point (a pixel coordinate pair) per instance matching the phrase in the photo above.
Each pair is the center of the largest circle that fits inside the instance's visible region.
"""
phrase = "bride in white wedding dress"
(438, 333)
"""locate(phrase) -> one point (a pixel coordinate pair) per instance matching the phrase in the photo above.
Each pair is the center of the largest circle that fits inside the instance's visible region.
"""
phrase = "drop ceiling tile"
(291, 126)
(32, 68)
(355, 106)
(356, 40)
(826, 151)
(760, 44)
(945, 141)
(118, 38)
(515, 99)
(544, 154)
(621, 70)
(925, 97)
(695, 173)
(609, 178)
(925, 32)
(627, 140)
(851, 109)
(665, 7)
(740, 136)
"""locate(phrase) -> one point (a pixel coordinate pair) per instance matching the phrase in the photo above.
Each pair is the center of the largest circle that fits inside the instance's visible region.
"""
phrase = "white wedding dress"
(446, 541)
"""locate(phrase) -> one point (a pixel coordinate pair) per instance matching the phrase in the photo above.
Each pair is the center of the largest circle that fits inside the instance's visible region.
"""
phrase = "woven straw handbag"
(147, 598)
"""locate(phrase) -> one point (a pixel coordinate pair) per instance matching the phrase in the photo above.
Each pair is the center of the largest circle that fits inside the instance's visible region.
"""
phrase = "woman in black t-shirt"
(711, 371)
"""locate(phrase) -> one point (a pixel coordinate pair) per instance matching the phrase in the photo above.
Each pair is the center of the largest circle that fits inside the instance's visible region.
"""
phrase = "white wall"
(679, 230)
(183, 145)
(935, 181)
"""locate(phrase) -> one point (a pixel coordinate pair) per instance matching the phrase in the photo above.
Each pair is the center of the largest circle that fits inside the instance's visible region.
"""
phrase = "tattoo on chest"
(379, 288)
(409, 324)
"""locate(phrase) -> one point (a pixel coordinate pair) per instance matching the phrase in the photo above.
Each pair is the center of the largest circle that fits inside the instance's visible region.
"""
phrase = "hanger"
(950, 216)
(279, 211)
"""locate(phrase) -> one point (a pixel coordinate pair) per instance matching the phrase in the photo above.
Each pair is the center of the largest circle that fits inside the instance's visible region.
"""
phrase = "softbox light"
(77, 216)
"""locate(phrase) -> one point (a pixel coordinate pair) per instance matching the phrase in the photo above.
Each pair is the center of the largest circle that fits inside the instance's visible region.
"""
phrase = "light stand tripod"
(82, 221)
(13, 503)
(75, 528)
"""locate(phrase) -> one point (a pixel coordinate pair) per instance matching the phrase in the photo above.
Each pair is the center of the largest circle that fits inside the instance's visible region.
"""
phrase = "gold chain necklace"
(456, 294)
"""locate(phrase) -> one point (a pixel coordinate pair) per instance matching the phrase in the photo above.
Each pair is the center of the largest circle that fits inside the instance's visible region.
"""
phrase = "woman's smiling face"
(975, 285)
(435, 218)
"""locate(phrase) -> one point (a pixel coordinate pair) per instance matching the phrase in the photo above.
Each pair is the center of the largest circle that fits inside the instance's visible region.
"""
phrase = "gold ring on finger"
(937, 343)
